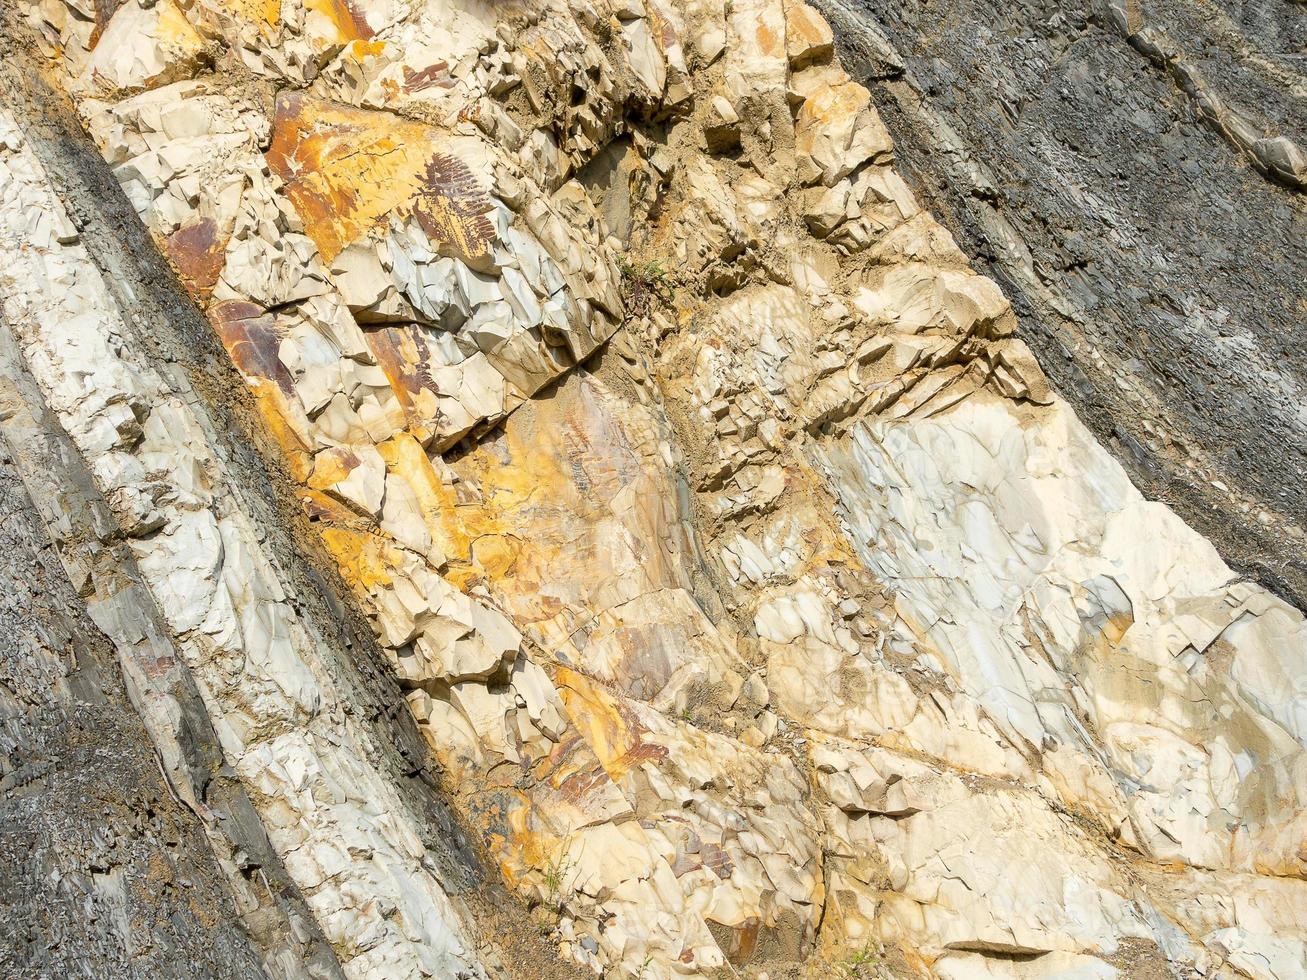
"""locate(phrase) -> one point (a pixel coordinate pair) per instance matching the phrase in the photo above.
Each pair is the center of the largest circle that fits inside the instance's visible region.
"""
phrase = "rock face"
(1132, 174)
(740, 598)
(101, 868)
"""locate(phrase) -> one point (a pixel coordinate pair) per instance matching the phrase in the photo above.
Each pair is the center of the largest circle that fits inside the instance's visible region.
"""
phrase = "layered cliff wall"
(722, 588)
(1133, 175)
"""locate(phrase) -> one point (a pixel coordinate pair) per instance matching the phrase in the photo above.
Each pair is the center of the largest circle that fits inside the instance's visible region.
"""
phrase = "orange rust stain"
(263, 13)
(516, 831)
(252, 339)
(1116, 627)
(403, 353)
(521, 848)
(332, 466)
(832, 104)
(462, 577)
(570, 771)
(346, 169)
(175, 31)
(197, 251)
(365, 559)
(524, 488)
(829, 546)
(917, 961)
(349, 21)
(405, 457)
(610, 728)
(804, 25)
(321, 507)
(497, 554)
(578, 786)
(535, 503)
(769, 41)
(661, 28)
(743, 940)
(571, 787)
(526, 832)
(361, 50)
(272, 406)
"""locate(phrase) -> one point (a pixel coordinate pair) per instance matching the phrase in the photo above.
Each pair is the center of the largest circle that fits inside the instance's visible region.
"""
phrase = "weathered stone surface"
(103, 869)
(765, 610)
(1101, 164)
(269, 692)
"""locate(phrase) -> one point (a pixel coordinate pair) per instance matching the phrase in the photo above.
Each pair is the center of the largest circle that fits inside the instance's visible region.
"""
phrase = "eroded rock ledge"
(764, 609)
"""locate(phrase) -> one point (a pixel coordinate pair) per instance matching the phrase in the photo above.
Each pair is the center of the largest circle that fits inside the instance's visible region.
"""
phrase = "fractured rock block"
(808, 38)
(721, 127)
(836, 132)
(142, 47)
(347, 169)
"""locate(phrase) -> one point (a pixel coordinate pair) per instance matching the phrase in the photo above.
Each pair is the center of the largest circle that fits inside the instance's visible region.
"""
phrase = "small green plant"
(853, 966)
(645, 281)
(556, 871)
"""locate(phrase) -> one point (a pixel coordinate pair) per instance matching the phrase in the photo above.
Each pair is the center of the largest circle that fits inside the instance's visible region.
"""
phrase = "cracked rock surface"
(588, 517)
(1132, 173)
(101, 869)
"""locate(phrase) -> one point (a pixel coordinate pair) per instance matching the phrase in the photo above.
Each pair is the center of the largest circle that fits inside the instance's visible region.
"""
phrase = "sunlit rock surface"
(762, 607)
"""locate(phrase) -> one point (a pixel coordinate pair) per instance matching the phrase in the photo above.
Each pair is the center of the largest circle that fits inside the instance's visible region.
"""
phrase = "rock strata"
(1127, 172)
(764, 609)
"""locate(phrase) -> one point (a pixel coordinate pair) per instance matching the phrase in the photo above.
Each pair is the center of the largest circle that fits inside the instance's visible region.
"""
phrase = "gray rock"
(1127, 179)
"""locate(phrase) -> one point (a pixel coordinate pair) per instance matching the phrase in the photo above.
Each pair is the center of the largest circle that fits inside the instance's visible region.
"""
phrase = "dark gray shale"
(278, 935)
(1101, 162)
(103, 873)
(121, 864)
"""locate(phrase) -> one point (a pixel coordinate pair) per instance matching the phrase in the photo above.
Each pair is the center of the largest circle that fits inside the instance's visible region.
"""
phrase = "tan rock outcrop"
(764, 608)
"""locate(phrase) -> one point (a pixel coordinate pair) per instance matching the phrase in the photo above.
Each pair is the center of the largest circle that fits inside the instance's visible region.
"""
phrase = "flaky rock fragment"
(142, 47)
(836, 132)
